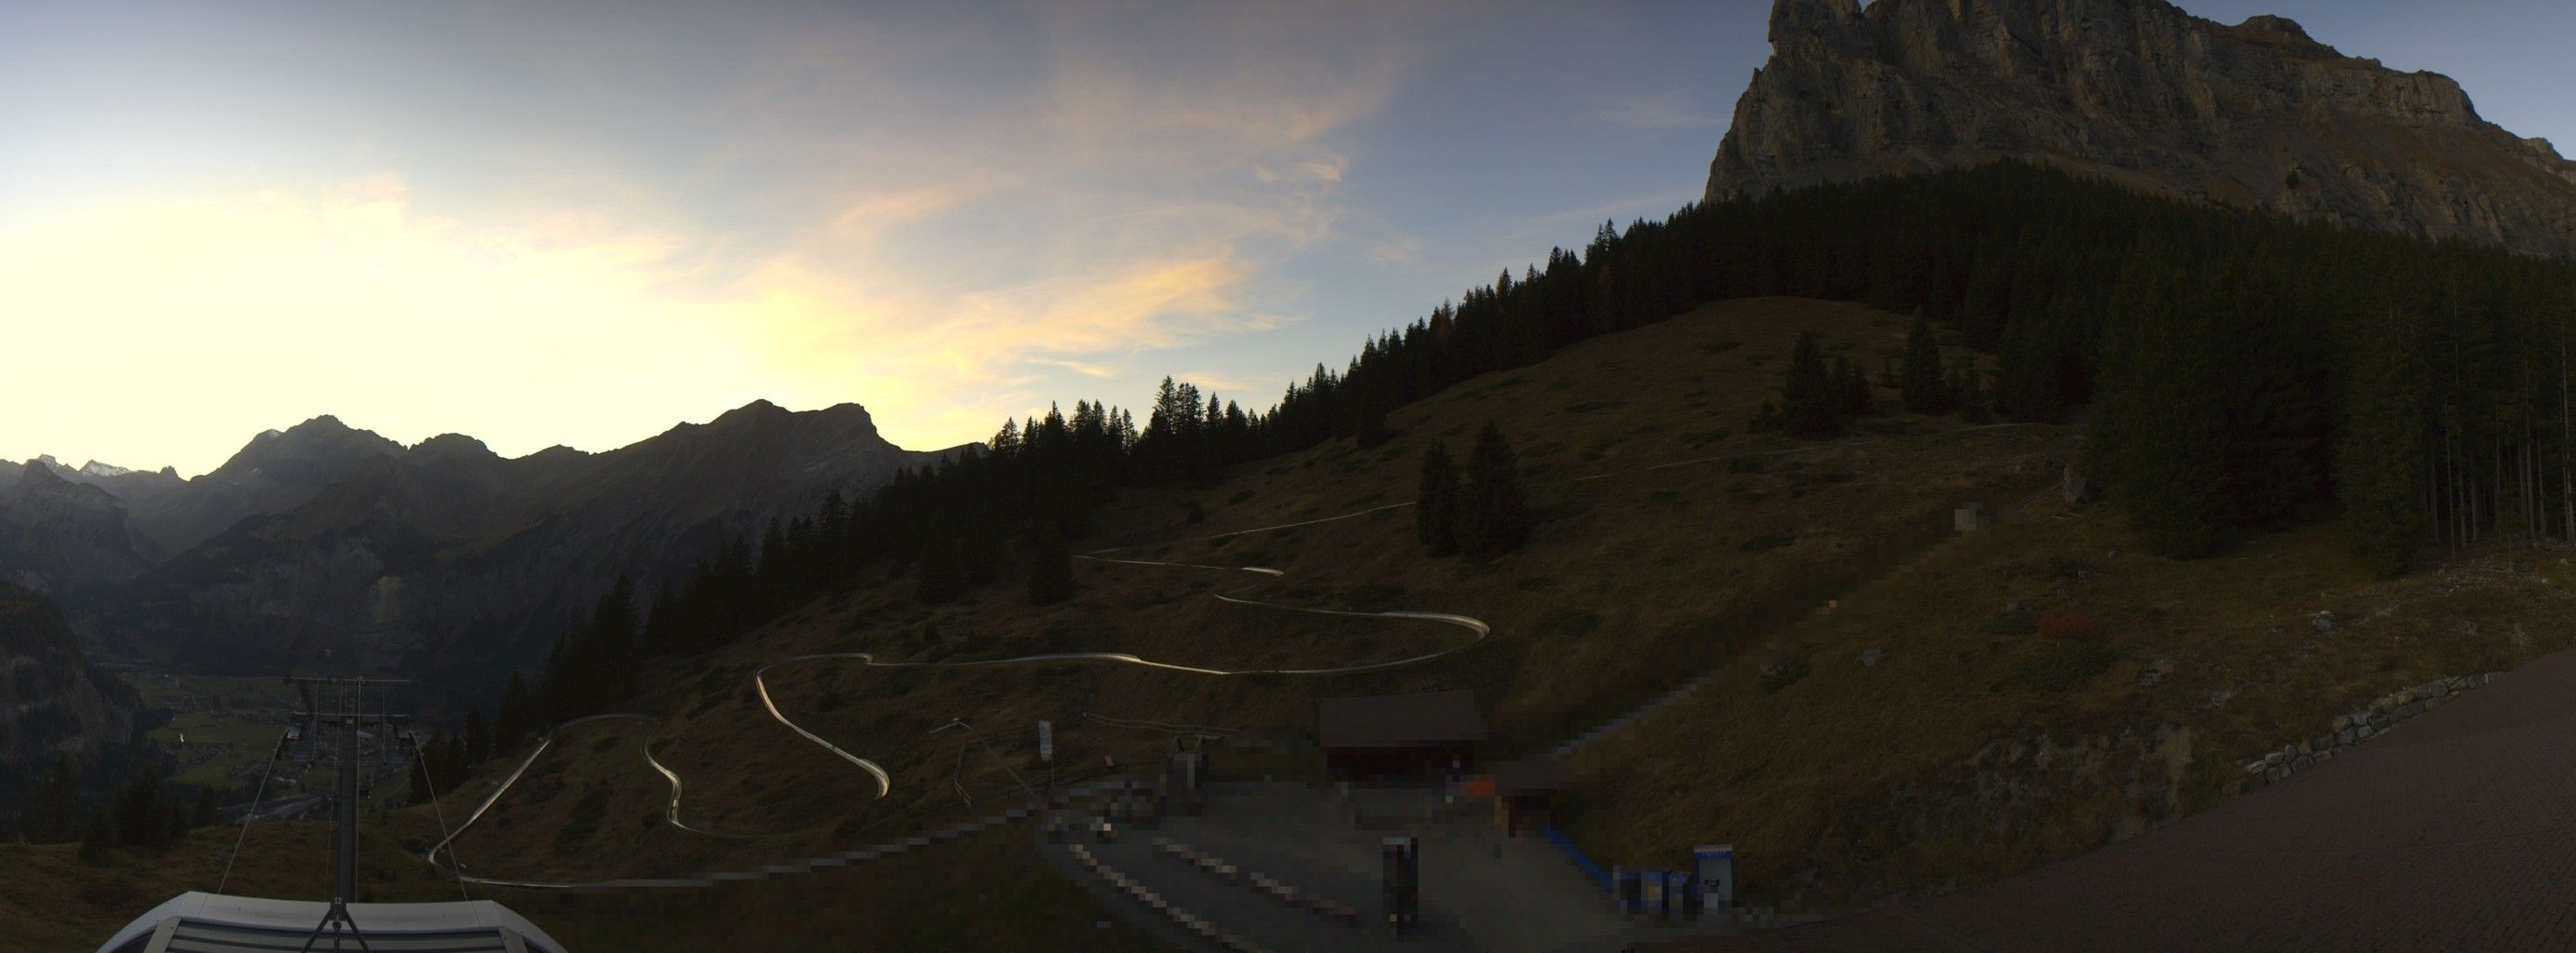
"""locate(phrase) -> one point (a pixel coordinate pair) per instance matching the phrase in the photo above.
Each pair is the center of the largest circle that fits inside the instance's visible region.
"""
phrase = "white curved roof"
(196, 922)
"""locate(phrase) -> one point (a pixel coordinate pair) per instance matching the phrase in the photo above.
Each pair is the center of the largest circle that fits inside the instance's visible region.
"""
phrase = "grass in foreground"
(1974, 748)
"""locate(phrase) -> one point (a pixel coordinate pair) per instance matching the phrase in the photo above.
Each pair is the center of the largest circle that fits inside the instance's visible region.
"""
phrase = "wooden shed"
(1400, 737)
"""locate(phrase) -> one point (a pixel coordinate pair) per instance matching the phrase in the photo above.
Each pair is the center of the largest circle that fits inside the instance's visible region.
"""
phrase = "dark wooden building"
(1525, 793)
(1400, 737)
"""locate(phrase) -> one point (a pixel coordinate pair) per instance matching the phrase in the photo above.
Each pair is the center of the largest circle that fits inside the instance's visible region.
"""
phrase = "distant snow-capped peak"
(97, 469)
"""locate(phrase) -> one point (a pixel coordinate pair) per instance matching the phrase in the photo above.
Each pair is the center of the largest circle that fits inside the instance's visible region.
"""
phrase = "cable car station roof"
(198, 922)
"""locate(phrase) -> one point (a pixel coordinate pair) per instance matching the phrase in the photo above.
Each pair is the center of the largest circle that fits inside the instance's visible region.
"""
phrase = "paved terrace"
(2455, 831)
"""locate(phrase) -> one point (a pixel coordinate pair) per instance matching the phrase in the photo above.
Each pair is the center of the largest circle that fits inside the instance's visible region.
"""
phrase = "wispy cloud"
(946, 258)
(1670, 110)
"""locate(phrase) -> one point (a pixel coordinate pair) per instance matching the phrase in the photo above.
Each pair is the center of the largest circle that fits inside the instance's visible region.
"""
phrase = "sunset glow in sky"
(543, 224)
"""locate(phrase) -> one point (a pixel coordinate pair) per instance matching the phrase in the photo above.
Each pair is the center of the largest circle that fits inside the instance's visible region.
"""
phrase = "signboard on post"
(1046, 740)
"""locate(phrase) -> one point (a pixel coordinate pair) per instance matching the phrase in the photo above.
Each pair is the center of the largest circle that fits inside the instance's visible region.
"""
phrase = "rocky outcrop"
(2137, 91)
(52, 700)
(2386, 712)
(60, 536)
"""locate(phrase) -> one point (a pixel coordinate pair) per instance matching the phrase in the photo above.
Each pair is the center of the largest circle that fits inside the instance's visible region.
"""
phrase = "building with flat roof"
(1399, 737)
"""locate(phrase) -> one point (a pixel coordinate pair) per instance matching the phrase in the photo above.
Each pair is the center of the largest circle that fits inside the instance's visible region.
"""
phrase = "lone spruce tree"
(1809, 406)
(143, 812)
(1851, 390)
(1435, 509)
(1493, 512)
(99, 834)
(1050, 566)
(1921, 382)
(53, 814)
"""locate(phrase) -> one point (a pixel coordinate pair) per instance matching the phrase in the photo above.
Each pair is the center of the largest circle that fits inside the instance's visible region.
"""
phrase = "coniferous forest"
(2236, 372)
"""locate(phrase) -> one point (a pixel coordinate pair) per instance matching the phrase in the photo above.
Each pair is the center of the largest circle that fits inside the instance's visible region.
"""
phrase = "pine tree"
(979, 553)
(142, 813)
(1435, 508)
(420, 777)
(939, 579)
(613, 627)
(52, 815)
(178, 826)
(516, 718)
(1925, 391)
(99, 834)
(1050, 566)
(206, 814)
(2381, 455)
(1852, 389)
(661, 634)
(1767, 420)
(2159, 440)
(1493, 512)
(1969, 394)
(1808, 404)
(478, 736)
(451, 760)
(554, 681)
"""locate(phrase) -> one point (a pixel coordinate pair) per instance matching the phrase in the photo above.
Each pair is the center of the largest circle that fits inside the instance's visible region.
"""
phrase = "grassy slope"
(1965, 754)
(1631, 584)
(51, 901)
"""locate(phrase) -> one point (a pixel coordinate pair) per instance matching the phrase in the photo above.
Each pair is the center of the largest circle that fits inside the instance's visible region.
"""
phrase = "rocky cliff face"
(59, 536)
(2256, 114)
(52, 701)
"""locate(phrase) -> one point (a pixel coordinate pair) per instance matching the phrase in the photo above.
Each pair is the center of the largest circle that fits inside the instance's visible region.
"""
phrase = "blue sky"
(556, 223)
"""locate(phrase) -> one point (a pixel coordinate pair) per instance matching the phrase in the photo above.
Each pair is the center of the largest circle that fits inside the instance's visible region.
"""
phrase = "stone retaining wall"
(2351, 728)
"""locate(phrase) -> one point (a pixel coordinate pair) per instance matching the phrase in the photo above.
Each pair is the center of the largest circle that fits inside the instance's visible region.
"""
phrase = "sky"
(580, 224)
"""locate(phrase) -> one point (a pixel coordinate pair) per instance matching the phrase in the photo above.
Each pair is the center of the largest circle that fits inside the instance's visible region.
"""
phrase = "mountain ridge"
(2257, 115)
(444, 554)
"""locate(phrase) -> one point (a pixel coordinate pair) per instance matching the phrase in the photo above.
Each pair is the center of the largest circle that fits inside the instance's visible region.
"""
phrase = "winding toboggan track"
(1239, 595)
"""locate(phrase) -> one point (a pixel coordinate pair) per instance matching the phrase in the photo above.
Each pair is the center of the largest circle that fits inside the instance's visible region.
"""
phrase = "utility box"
(1715, 866)
(1971, 517)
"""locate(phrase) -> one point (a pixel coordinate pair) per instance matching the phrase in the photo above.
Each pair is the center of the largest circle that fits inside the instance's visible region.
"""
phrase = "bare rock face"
(57, 535)
(2256, 115)
(53, 702)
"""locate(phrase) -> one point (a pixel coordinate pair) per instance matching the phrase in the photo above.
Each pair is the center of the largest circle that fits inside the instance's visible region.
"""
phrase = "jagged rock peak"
(1829, 23)
(850, 412)
(755, 410)
(2267, 25)
(2258, 114)
(40, 471)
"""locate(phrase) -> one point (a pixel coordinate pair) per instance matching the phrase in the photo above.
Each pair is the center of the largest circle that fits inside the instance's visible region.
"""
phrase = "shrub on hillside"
(2062, 626)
